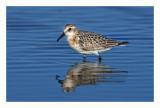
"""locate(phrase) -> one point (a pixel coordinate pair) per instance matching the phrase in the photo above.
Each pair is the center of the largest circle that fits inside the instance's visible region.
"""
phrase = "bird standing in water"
(86, 42)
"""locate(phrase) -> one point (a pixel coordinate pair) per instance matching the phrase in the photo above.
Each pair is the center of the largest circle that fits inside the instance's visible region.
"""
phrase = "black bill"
(62, 35)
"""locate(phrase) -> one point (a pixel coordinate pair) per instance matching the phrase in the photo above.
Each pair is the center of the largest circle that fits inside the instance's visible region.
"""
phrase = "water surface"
(40, 69)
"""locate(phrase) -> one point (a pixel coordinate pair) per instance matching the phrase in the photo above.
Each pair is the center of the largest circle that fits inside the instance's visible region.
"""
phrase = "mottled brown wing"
(95, 41)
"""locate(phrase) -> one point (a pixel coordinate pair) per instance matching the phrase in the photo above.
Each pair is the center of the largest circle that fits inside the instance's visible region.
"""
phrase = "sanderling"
(86, 42)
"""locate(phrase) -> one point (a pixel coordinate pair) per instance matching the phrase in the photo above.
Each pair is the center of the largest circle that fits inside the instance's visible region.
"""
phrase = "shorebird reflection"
(89, 73)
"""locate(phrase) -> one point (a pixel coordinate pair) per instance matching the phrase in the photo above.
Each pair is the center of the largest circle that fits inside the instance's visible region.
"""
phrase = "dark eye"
(69, 29)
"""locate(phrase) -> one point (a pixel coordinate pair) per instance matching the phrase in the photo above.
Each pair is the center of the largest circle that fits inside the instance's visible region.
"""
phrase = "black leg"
(100, 58)
(84, 58)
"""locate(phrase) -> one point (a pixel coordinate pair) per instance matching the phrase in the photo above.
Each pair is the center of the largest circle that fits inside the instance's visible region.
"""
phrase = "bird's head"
(69, 31)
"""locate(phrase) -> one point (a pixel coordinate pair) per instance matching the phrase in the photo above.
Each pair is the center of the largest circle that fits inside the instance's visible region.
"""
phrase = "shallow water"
(41, 69)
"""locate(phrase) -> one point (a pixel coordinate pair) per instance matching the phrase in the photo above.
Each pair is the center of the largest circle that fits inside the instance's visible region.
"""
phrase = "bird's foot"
(100, 59)
(84, 59)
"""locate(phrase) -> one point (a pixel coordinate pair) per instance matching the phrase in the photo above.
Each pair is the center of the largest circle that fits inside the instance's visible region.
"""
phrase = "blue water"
(41, 69)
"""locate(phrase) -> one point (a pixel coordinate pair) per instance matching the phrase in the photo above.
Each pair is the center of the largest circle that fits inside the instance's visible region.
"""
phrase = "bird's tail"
(122, 43)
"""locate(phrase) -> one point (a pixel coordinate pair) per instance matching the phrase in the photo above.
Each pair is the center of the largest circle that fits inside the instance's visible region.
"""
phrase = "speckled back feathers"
(92, 41)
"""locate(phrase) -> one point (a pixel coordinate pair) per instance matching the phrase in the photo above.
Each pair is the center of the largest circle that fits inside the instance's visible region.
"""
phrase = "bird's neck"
(73, 40)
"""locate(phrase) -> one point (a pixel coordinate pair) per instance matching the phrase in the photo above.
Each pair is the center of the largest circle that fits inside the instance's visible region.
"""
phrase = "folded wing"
(95, 41)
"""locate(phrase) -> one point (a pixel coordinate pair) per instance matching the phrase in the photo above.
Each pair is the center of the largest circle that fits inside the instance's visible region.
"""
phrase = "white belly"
(94, 52)
(78, 48)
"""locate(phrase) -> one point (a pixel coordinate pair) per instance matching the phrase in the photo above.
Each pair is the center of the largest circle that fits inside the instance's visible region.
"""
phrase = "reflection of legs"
(84, 58)
(100, 58)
